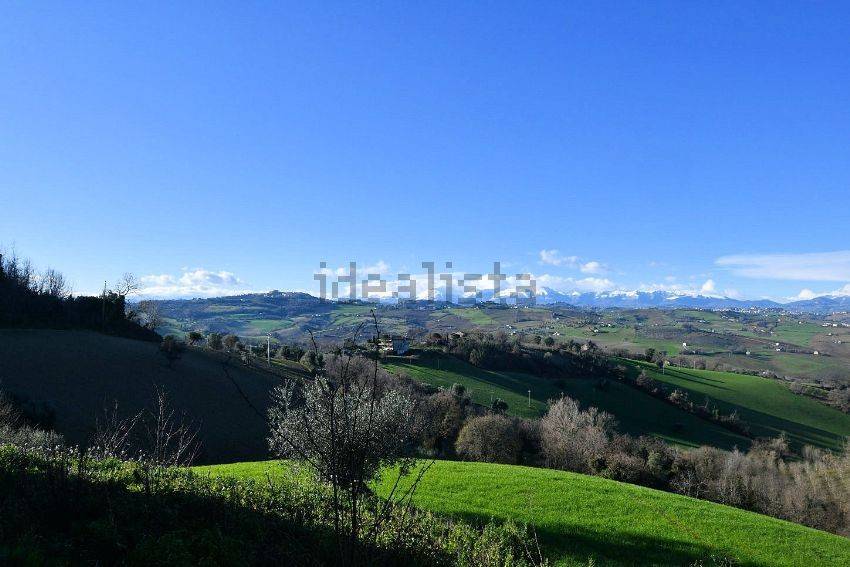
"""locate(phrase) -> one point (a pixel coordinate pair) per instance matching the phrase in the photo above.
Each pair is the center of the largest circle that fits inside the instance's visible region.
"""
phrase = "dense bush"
(491, 438)
(443, 415)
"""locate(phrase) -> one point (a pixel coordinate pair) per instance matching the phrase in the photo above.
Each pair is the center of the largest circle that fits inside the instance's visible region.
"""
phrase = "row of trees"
(500, 351)
(29, 298)
(233, 344)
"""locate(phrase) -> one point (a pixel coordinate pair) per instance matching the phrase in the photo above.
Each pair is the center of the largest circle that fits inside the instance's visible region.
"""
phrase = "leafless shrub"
(172, 438)
(572, 439)
(814, 491)
(31, 438)
(840, 398)
(113, 434)
(9, 414)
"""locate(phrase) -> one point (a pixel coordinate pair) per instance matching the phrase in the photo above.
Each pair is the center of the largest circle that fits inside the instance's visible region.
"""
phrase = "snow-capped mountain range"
(661, 299)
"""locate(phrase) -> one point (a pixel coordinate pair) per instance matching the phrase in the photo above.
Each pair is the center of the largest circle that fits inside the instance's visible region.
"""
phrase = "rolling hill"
(768, 406)
(636, 412)
(578, 517)
(79, 373)
(723, 333)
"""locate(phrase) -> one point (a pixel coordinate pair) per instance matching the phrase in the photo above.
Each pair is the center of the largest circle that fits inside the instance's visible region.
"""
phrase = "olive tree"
(347, 423)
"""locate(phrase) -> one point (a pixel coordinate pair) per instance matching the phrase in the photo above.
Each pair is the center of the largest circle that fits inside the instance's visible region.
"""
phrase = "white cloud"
(380, 267)
(817, 266)
(806, 294)
(593, 268)
(595, 284)
(201, 277)
(192, 283)
(157, 280)
(553, 258)
(708, 289)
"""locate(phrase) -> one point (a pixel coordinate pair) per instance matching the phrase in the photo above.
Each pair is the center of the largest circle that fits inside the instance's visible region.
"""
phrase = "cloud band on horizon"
(814, 266)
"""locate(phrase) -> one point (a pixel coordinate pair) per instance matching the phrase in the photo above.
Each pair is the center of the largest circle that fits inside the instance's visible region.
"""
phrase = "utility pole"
(103, 309)
(529, 398)
(269, 349)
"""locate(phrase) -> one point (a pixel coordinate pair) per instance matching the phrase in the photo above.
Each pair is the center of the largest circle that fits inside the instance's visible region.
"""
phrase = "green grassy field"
(481, 385)
(766, 405)
(578, 517)
(476, 316)
(636, 412)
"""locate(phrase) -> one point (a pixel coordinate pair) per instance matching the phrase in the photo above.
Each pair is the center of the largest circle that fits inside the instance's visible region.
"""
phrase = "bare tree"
(573, 439)
(148, 315)
(127, 285)
(53, 283)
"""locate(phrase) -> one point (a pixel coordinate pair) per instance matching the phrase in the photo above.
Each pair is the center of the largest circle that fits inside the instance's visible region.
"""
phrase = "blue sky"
(213, 148)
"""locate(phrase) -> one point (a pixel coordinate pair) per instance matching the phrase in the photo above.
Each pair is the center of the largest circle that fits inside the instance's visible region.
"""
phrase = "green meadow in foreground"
(637, 412)
(767, 406)
(578, 517)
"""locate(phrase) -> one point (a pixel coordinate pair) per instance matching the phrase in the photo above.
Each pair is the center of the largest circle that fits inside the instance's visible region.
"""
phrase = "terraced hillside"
(579, 517)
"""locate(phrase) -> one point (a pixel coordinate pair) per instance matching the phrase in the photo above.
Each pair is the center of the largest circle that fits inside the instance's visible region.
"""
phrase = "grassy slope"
(512, 387)
(637, 413)
(767, 406)
(78, 373)
(578, 516)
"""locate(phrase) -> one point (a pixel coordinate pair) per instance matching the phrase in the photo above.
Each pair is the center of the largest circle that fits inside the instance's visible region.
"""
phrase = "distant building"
(395, 344)
(401, 345)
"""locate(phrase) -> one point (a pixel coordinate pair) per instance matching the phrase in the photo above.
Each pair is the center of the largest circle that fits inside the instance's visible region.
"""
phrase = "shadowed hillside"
(76, 374)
